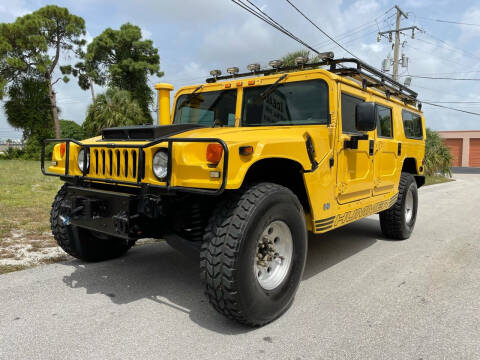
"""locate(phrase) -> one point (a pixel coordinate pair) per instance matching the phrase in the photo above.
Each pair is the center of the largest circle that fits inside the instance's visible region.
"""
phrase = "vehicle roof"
(308, 74)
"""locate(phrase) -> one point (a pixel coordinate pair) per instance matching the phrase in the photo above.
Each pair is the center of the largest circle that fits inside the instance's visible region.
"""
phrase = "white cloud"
(12, 9)
(146, 34)
(195, 36)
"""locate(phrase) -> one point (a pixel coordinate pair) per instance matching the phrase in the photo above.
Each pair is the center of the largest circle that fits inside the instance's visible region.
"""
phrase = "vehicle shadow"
(161, 274)
(329, 249)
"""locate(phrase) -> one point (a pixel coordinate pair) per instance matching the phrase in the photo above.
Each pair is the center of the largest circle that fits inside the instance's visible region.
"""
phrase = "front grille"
(118, 164)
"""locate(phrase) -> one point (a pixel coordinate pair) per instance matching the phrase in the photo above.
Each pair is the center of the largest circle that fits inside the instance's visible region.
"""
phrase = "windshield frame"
(180, 97)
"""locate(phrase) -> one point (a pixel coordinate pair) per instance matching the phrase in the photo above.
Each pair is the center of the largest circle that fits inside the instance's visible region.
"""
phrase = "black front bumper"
(123, 215)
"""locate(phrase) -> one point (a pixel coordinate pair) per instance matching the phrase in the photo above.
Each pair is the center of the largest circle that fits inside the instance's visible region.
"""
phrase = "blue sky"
(195, 36)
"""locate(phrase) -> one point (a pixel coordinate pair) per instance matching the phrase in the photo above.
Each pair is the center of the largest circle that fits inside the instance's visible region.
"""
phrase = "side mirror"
(366, 116)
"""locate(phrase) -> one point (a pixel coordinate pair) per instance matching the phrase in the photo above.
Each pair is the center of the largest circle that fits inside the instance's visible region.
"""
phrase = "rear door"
(355, 163)
(386, 150)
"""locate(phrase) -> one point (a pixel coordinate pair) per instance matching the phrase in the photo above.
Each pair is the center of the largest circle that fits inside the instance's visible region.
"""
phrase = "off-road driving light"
(160, 164)
(301, 60)
(253, 67)
(232, 70)
(214, 153)
(81, 158)
(215, 73)
(275, 64)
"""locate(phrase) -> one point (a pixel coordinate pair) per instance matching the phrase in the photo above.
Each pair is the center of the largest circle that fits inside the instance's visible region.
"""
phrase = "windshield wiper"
(271, 88)
(192, 95)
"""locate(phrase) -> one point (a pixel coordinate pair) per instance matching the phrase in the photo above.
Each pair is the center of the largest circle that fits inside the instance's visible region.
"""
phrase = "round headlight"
(80, 160)
(160, 164)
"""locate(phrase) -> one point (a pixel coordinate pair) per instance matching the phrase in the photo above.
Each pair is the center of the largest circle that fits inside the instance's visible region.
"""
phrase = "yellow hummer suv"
(242, 169)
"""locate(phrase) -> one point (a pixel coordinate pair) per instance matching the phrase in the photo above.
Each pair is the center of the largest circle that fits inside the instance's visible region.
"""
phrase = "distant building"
(464, 145)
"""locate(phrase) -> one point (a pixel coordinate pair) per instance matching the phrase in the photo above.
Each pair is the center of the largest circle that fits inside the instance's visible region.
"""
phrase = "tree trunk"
(53, 104)
(91, 89)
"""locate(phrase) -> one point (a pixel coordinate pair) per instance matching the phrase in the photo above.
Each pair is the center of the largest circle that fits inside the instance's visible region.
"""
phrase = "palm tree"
(438, 158)
(113, 108)
(289, 59)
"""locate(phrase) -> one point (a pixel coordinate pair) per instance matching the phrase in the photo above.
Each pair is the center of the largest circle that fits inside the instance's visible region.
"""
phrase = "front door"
(355, 151)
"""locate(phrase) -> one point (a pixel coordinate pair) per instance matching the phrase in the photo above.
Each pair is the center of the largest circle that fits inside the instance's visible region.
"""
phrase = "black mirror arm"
(352, 143)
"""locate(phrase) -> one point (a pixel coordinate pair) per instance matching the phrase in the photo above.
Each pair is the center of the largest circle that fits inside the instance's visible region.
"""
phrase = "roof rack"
(362, 72)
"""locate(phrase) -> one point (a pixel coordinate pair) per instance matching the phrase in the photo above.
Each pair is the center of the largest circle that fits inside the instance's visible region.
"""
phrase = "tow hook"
(65, 220)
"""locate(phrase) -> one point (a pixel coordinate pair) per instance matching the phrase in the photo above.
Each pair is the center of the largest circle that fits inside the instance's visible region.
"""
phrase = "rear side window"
(349, 105)
(412, 125)
(384, 122)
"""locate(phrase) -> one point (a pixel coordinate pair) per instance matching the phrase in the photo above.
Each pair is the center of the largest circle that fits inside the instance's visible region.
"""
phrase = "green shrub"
(71, 130)
(438, 158)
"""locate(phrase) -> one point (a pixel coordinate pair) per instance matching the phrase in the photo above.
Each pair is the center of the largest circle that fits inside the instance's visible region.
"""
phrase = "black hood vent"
(146, 132)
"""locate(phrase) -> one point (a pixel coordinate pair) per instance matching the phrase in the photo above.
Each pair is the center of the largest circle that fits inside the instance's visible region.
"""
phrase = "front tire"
(253, 231)
(81, 243)
(398, 222)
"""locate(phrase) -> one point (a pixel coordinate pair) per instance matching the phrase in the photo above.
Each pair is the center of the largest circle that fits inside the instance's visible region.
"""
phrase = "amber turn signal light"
(214, 153)
(63, 148)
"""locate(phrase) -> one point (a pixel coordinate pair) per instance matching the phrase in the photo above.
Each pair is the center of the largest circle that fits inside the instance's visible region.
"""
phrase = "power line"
(450, 46)
(323, 32)
(444, 73)
(358, 29)
(455, 102)
(449, 21)
(449, 108)
(266, 18)
(444, 78)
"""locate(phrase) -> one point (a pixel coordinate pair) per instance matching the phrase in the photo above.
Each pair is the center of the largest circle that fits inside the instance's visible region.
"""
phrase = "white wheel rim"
(409, 206)
(274, 255)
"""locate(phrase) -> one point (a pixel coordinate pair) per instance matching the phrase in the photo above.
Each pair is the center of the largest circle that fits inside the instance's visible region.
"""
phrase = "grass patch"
(10, 268)
(436, 179)
(25, 199)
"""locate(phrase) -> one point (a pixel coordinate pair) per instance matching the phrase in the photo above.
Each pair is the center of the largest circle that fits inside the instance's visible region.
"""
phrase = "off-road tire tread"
(221, 243)
(391, 219)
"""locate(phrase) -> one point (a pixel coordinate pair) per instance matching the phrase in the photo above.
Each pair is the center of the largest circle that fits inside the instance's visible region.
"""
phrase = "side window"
(349, 104)
(384, 122)
(412, 125)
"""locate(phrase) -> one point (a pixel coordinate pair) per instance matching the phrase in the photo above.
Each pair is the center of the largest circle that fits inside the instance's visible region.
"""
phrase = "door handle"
(371, 146)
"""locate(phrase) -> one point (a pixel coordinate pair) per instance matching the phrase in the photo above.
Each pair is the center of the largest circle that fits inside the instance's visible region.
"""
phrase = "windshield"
(213, 108)
(294, 103)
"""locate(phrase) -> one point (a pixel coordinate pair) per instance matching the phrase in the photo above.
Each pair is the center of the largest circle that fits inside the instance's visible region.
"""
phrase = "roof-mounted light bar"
(215, 73)
(366, 74)
(275, 64)
(253, 67)
(233, 70)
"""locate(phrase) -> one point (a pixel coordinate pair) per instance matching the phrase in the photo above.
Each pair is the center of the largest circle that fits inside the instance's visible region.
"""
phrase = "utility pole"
(397, 41)
(396, 46)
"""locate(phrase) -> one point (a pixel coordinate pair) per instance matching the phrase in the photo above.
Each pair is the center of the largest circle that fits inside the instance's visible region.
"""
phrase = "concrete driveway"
(363, 297)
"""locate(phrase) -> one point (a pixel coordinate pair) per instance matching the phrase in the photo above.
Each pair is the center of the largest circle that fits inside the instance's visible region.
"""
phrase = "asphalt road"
(362, 297)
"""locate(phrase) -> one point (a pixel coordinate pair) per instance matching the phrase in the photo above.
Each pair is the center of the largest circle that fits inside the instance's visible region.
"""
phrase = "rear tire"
(81, 243)
(398, 222)
(229, 258)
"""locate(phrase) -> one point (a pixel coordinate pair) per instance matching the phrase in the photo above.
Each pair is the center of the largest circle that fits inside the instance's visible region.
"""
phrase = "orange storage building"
(464, 145)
